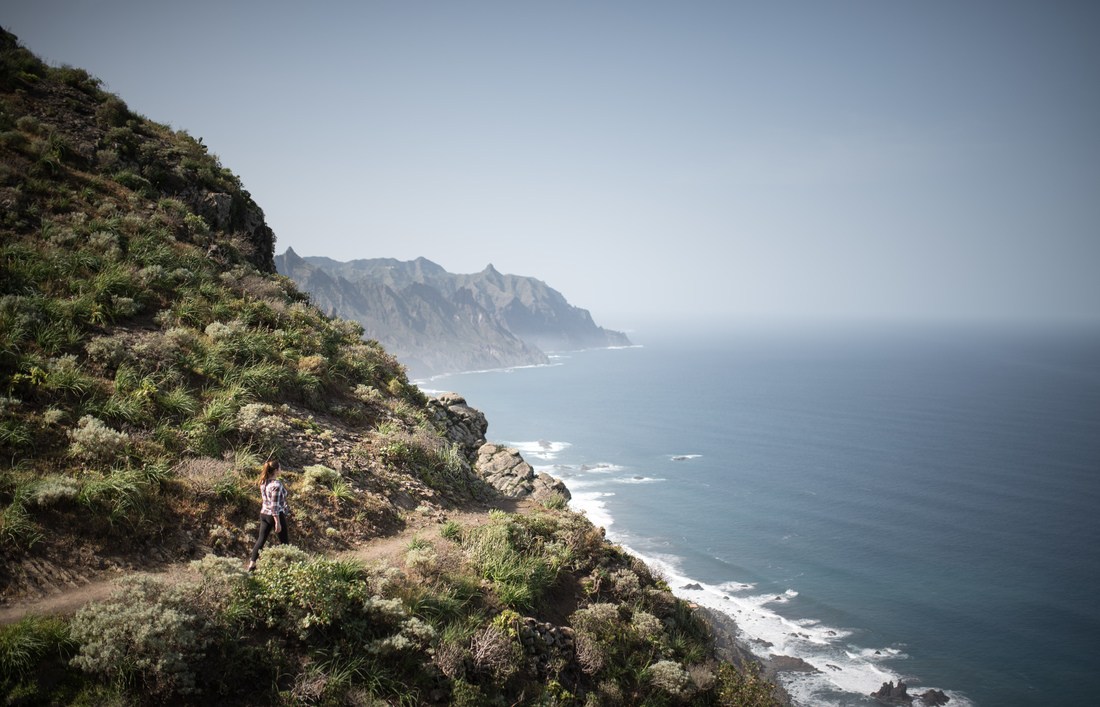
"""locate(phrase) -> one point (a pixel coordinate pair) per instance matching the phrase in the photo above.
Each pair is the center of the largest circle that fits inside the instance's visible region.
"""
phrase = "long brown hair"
(268, 470)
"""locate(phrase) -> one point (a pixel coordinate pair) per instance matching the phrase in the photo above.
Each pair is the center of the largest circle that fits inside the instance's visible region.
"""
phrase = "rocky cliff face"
(435, 321)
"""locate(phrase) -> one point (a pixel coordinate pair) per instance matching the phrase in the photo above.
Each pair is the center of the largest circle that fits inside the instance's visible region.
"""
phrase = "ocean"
(886, 503)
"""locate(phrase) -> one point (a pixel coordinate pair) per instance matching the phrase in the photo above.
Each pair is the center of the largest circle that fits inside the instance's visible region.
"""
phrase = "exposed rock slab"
(790, 664)
(506, 471)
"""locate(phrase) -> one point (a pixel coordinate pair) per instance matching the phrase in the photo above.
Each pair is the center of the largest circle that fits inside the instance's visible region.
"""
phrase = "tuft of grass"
(25, 644)
(521, 567)
(17, 527)
(451, 530)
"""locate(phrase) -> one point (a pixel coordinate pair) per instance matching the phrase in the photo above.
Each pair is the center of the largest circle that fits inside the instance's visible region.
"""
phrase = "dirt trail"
(387, 548)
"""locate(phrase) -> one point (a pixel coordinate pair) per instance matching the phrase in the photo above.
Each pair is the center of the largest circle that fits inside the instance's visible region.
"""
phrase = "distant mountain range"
(437, 322)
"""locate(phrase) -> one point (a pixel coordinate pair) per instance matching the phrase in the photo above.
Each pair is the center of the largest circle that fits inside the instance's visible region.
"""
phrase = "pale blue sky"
(854, 159)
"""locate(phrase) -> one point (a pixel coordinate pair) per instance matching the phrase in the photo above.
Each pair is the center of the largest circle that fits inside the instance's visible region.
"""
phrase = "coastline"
(869, 607)
(728, 645)
(731, 648)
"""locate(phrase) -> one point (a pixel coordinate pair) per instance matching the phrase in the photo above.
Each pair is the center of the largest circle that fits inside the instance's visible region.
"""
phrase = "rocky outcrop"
(894, 695)
(461, 423)
(501, 467)
(237, 214)
(790, 664)
(899, 695)
(506, 471)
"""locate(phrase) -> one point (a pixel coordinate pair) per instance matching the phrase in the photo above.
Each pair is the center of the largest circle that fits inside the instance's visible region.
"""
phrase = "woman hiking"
(273, 512)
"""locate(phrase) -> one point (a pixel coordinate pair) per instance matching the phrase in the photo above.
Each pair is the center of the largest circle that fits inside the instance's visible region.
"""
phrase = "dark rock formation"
(894, 695)
(899, 695)
(934, 698)
(545, 642)
(790, 664)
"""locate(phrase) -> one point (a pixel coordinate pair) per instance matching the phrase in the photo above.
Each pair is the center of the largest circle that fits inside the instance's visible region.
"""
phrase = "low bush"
(94, 441)
(744, 687)
(147, 635)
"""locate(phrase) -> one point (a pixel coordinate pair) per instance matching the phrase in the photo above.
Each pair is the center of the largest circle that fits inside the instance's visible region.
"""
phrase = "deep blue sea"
(886, 503)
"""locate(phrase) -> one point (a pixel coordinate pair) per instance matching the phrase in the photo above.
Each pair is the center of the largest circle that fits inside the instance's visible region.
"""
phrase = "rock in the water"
(934, 698)
(790, 664)
(890, 694)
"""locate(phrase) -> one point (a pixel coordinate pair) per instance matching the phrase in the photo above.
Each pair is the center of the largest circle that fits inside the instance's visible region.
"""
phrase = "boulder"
(890, 694)
(790, 664)
(461, 423)
(934, 698)
(506, 471)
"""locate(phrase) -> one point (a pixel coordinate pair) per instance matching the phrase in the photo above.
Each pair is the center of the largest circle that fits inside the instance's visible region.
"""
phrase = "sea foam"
(543, 450)
(845, 674)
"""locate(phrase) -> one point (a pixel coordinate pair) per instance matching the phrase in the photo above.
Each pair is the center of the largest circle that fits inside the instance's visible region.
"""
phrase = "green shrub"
(94, 441)
(324, 600)
(134, 181)
(108, 351)
(262, 380)
(50, 491)
(147, 635)
(78, 78)
(178, 402)
(209, 432)
(316, 475)
(669, 677)
(16, 433)
(301, 595)
(451, 530)
(555, 502)
(262, 425)
(744, 687)
(125, 495)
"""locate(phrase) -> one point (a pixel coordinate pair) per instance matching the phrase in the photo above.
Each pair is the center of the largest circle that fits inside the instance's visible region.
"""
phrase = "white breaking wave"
(735, 587)
(504, 369)
(591, 504)
(844, 670)
(542, 449)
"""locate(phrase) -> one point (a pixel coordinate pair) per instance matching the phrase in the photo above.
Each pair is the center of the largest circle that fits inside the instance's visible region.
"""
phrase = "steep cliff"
(435, 321)
(150, 360)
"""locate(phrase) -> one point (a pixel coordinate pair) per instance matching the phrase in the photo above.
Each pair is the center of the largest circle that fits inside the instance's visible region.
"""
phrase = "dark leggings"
(267, 524)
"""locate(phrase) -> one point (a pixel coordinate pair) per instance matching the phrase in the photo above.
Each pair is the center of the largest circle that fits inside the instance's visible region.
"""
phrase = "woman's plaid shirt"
(273, 494)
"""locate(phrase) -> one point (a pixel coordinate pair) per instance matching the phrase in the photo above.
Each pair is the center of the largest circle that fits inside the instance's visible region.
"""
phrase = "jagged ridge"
(435, 321)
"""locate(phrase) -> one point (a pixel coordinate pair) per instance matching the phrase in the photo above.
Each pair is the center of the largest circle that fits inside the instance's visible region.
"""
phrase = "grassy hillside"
(150, 359)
